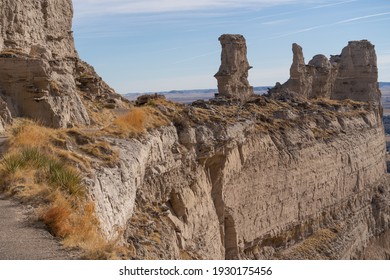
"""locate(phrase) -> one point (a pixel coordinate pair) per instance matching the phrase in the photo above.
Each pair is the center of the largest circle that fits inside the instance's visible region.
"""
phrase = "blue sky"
(155, 45)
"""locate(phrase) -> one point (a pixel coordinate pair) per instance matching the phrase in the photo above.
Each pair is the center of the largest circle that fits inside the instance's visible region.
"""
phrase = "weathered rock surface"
(39, 66)
(216, 190)
(351, 75)
(233, 73)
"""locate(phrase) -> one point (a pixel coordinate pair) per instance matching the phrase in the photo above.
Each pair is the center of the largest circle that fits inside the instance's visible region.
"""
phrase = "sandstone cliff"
(262, 179)
(351, 75)
(39, 66)
(260, 186)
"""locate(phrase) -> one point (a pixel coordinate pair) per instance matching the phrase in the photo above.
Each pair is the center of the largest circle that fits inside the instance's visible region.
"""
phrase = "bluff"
(285, 176)
(41, 75)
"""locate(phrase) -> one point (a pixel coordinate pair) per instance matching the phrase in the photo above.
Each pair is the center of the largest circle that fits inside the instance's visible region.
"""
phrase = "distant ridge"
(190, 95)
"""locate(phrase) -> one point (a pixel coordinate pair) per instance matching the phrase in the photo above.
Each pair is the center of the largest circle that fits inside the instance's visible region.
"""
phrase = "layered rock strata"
(232, 76)
(351, 75)
(39, 63)
(261, 187)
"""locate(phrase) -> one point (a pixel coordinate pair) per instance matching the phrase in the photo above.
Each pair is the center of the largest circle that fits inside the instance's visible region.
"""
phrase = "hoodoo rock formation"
(351, 75)
(233, 73)
(39, 66)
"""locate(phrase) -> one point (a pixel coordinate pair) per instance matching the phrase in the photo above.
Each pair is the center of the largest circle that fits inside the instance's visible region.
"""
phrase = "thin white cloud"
(331, 24)
(300, 10)
(276, 22)
(333, 4)
(362, 17)
(98, 7)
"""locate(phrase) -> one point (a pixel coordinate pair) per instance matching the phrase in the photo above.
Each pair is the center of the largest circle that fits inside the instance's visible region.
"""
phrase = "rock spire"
(232, 76)
(351, 75)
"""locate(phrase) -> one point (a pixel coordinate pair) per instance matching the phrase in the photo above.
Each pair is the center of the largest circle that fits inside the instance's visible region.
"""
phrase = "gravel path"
(21, 239)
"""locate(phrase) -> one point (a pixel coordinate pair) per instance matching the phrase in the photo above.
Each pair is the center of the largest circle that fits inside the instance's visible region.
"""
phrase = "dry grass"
(25, 133)
(75, 222)
(137, 121)
(102, 151)
(37, 171)
(133, 121)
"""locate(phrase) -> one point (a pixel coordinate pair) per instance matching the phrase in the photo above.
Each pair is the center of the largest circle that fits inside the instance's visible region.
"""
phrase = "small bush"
(133, 121)
(33, 157)
(65, 178)
(58, 174)
(12, 163)
(57, 217)
(28, 157)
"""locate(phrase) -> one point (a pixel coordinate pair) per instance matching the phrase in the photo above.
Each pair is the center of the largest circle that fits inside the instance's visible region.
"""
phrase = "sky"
(159, 45)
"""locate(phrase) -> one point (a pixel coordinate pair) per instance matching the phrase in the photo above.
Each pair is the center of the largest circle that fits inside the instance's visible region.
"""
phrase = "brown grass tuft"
(133, 121)
(26, 133)
(75, 222)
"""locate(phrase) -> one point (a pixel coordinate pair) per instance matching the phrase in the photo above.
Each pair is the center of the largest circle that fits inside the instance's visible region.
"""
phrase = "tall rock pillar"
(232, 76)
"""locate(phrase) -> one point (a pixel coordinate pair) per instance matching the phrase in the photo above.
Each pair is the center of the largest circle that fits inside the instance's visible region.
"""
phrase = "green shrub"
(65, 178)
(33, 157)
(12, 163)
(56, 173)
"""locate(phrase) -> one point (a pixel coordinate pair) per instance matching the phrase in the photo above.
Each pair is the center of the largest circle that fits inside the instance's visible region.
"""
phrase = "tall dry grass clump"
(133, 121)
(26, 133)
(34, 170)
(137, 120)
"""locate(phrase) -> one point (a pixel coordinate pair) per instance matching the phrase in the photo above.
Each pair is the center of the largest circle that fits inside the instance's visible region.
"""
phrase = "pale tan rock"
(5, 115)
(37, 59)
(238, 193)
(233, 73)
(351, 75)
(357, 77)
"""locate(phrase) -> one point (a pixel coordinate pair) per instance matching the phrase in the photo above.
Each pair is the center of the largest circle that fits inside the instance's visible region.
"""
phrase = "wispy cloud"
(362, 17)
(98, 7)
(333, 4)
(275, 22)
(300, 10)
(350, 20)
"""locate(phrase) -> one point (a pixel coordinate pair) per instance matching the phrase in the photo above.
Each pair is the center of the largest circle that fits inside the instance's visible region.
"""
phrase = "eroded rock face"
(357, 73)
(233, 73)
(37, 62)
(351, 75)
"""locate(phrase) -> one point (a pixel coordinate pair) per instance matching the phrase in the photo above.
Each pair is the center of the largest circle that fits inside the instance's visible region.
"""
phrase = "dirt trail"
(21, 239)
(24, 239)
